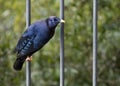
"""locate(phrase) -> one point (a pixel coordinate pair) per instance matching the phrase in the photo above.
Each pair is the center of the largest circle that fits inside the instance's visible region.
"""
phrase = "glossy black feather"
(34, 38)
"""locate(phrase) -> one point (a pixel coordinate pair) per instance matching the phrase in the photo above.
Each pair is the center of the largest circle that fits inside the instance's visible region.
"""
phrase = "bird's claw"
(29, 58)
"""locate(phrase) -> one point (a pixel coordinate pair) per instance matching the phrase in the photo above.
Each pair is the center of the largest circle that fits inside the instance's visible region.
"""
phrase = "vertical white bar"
(28, 21)
(62, 44)
(95, 42)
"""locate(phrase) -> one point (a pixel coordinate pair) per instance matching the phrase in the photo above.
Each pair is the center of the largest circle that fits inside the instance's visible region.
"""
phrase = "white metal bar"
(95, 42)
(28, 21)
(62, 44)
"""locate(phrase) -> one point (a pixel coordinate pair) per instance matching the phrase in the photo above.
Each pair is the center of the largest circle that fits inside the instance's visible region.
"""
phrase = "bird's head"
(53, 21)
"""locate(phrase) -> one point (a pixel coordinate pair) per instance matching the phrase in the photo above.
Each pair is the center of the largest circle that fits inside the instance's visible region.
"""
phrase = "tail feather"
(19, 63)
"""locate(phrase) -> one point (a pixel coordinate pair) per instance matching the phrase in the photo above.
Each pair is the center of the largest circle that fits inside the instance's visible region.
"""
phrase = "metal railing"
(28, 63)
(94, 43)
(62, 44)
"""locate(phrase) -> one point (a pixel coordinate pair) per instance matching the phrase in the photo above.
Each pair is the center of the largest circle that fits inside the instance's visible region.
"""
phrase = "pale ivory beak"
(62, 21)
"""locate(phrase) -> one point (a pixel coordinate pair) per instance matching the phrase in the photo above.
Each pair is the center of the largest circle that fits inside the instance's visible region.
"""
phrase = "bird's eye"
(55, 19)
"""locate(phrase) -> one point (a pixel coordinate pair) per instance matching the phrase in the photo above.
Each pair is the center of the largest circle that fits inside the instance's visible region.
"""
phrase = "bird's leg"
(29, 58)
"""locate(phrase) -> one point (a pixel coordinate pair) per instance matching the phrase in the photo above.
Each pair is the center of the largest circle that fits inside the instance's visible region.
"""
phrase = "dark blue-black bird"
(34, 38)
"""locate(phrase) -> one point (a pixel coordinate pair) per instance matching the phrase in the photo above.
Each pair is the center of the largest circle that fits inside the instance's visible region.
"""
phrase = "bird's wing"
(25, 43)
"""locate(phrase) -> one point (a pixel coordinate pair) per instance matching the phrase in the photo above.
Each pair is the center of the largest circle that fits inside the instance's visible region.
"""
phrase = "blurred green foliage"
(78, 43)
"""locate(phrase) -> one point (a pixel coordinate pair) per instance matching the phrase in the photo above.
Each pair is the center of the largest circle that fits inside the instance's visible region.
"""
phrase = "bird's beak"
(62, 21)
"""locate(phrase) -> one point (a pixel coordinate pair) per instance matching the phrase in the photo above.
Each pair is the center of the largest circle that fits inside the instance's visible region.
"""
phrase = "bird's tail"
(19, 63)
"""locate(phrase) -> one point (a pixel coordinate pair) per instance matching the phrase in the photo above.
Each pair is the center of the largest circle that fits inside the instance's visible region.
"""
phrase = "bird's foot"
(29, 58)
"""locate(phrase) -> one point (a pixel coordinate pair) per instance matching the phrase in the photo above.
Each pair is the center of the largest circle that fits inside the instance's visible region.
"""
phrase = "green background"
(78, 43)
